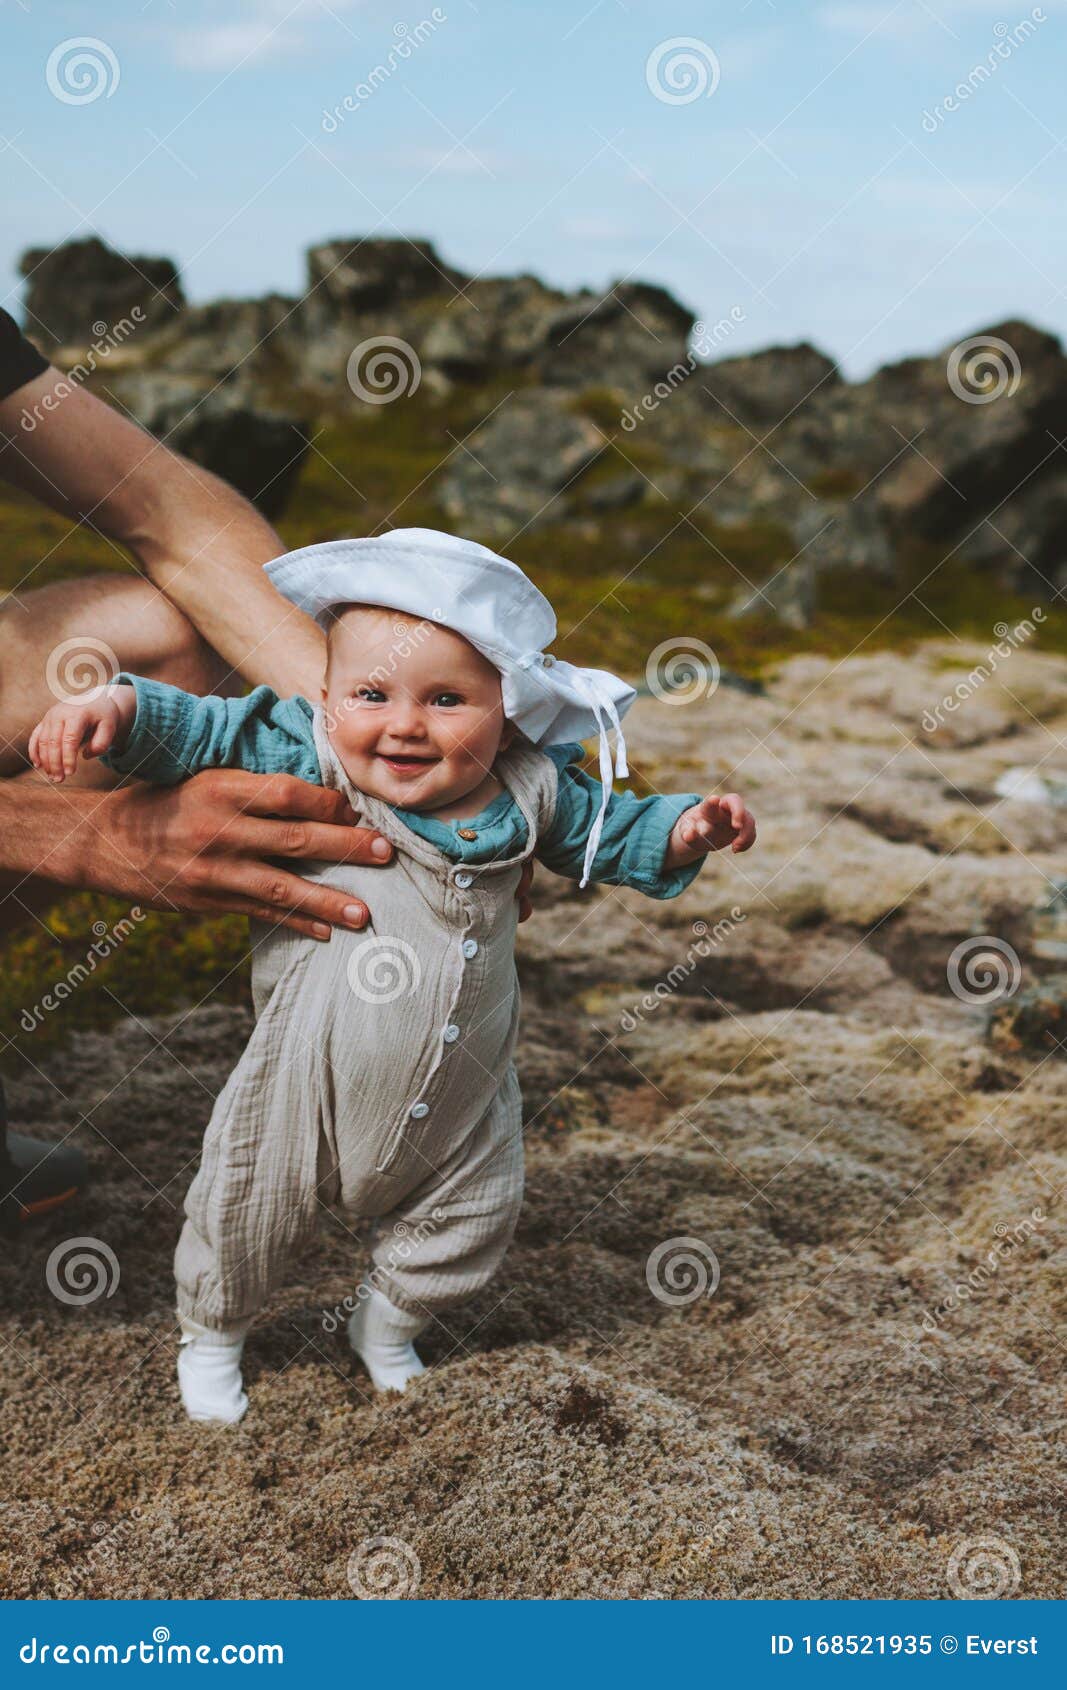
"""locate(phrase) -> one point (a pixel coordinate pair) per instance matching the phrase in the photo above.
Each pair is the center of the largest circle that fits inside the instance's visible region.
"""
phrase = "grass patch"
(53, 983)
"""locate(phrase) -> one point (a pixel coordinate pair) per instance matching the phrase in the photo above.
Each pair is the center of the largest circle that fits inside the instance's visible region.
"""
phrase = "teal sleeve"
(634, 835)
(175, 734)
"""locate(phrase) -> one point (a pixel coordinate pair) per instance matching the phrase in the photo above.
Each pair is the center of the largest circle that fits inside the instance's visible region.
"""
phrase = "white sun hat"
(470, 589)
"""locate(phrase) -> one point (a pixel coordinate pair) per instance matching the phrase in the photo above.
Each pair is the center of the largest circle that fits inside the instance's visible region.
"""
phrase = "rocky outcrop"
(518, 468)
(214, 341)
(941, 441)
(256, 449)
(1023, 540)
(766, 388)
(78, 293)
(365, 274)
(956, 454)
(628, 337)
(496, 324)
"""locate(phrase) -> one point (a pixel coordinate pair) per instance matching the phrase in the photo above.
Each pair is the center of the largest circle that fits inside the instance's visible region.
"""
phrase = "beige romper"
(378, 1078)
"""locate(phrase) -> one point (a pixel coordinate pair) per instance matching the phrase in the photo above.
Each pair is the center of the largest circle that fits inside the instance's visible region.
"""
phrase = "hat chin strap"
(603, 706)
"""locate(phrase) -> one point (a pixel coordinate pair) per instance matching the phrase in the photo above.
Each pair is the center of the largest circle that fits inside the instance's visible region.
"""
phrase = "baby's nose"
(406, 721)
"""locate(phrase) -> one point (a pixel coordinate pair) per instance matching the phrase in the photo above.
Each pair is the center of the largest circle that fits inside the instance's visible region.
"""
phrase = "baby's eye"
(449, 699)
(368, 695)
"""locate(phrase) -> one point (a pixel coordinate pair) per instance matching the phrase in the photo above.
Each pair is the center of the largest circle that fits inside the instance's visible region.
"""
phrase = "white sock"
(209, 1371)
(381, 1336)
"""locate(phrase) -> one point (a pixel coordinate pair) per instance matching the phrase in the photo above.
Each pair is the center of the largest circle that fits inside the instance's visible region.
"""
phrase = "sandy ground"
(808, 1101)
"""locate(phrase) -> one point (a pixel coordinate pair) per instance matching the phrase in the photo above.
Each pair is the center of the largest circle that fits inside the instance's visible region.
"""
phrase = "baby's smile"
(406, 765)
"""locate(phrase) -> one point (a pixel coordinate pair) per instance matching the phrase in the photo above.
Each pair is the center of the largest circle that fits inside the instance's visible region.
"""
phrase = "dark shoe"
(36, 1178)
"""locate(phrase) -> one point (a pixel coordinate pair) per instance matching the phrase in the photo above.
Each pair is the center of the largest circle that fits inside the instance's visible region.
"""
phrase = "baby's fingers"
(746, 833)
(74, 731)
(45, 749)
(746, 838)
(699, 834)
(102, 737)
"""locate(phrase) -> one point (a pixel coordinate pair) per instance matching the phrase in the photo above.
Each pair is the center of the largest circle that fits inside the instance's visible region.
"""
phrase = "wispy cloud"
(269, 29)
(225, 46)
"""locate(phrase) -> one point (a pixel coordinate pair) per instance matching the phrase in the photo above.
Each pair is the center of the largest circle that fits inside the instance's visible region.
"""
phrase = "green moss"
(54, 983)
(835, 483)
(602, 405)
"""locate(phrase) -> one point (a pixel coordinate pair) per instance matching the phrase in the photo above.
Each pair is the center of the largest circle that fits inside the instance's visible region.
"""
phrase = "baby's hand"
(97, 722)
(710, 826)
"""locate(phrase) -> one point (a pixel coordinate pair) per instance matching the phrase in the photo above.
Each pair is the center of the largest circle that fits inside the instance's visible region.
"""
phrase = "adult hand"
(206, 844)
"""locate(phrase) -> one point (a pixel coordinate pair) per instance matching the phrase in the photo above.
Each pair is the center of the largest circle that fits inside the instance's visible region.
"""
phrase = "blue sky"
(802, 187)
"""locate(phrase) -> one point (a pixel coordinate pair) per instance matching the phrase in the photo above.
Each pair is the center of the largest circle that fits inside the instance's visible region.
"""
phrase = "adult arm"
(201, 544)
(204, 845)
(190, 534)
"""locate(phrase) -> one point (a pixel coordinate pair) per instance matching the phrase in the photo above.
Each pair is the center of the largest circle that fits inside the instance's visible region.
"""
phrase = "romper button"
(451, 1033)
(466, 833)
(470, 947)
(418, 1110)
(463, 879)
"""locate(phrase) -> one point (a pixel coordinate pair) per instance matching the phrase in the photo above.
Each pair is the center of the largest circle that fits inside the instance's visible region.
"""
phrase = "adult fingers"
(309, 925)
(281, 795)
(276, 895)
(281, 836)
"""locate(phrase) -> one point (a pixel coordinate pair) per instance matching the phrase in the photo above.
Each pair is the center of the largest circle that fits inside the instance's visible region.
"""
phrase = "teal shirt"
(176, 735)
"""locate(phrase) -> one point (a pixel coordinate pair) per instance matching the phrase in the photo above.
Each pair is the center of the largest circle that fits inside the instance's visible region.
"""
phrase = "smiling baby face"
(413, 711)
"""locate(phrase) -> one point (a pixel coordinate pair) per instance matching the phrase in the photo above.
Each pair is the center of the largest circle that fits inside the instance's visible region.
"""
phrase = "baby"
(378, 1079)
